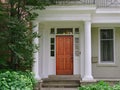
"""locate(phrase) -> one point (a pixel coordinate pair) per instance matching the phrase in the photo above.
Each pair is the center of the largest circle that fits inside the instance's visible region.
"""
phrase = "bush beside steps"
(101, 85)
(12, 80)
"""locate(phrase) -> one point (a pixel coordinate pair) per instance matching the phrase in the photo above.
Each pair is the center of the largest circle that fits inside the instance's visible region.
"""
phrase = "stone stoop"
(61, 82)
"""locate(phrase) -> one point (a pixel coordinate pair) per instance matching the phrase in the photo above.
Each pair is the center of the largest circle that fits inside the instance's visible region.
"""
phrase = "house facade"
(79, 37)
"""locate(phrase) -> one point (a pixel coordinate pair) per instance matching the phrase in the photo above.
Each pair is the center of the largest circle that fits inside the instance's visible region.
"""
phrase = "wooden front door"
(64, 55)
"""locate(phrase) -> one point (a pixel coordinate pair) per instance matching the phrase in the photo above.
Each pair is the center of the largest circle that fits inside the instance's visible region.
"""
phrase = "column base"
(37, 77)
(88, 78)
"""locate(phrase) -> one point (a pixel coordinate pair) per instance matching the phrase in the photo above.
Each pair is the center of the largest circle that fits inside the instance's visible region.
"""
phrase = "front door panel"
(64, 55)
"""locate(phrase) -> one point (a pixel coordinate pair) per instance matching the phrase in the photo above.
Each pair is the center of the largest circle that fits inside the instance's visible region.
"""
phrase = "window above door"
(64, 31)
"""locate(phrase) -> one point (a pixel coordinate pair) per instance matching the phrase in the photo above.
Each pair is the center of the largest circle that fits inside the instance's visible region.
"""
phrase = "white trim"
(99, 56)
(74, 35)
(71, 7)
(88, 64)
(35, 67)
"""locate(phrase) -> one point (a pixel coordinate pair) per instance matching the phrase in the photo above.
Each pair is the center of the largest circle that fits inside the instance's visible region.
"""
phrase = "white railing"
(98, 3)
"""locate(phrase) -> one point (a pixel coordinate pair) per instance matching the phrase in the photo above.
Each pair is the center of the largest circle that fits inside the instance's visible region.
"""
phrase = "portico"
(81, 59)
(77, 40)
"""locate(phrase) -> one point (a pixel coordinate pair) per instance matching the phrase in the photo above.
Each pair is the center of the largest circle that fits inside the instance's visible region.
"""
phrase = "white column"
(36, 54)
(88, 66)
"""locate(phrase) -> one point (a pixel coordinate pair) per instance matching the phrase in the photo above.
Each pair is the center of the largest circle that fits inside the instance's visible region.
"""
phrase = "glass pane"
(77, 53)
(52, 47)
(76, 30)
(107, 53)
(106, 34)
(52, 40)
(77, 47)
(52, 31)
(52, 53)
(76, 40)
(64, 31)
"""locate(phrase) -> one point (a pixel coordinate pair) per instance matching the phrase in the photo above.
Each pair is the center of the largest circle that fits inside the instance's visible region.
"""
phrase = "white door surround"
(81, 64)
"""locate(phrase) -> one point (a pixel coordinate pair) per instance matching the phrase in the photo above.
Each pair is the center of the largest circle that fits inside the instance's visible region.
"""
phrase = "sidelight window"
(52, 46)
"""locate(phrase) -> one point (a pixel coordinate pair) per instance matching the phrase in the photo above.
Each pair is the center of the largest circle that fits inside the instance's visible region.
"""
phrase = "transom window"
(64, 31)
(106, 45)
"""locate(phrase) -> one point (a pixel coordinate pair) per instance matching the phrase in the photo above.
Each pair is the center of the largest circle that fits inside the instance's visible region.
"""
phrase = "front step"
(65, 77)
(60, 83)
(65, 81)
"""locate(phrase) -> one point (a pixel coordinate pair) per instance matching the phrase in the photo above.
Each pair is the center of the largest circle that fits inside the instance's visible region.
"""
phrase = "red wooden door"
(64, 55)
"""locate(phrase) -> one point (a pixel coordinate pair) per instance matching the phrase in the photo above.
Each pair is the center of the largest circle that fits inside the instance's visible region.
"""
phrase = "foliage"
(16, 51)
(100, 86)
(4, 53)
(11, 80)
(19, 45)
(116, 87)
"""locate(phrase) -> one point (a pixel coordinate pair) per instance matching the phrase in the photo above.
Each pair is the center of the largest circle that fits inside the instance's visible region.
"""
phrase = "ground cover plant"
(12, 80)
(100, 86)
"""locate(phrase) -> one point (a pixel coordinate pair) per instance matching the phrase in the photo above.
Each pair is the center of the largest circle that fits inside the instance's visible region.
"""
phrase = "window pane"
(64, 31)
(76, 30)
(106, 34)
(77, 49)
(52, 31)
(107, 50)
(52, 41)
(76, 40)
(52, 53)
(52, 47)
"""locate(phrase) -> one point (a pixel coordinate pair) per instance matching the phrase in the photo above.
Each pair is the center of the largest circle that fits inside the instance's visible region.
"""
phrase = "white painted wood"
(88, 65)
(36, 54)
(45, 52)
(82, 56)
(48, 65)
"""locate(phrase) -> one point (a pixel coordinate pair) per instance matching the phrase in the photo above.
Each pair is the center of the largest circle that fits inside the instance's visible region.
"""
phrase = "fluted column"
(36, 54)
(88, 66)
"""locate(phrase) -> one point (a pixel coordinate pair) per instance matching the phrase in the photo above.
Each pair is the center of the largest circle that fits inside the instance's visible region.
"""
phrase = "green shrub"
(100, 86)
(11, 80)
(116, 87)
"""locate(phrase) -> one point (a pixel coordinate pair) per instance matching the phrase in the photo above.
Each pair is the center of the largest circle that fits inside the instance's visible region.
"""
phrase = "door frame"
(76, 59)
(73, 53)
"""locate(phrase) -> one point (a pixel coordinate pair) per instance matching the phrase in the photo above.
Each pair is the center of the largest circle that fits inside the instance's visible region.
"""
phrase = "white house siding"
(105, 71)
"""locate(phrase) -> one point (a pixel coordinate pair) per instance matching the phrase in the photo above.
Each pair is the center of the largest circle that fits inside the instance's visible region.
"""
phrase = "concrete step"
(65, 77)
(61, 81)
(60, 85)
